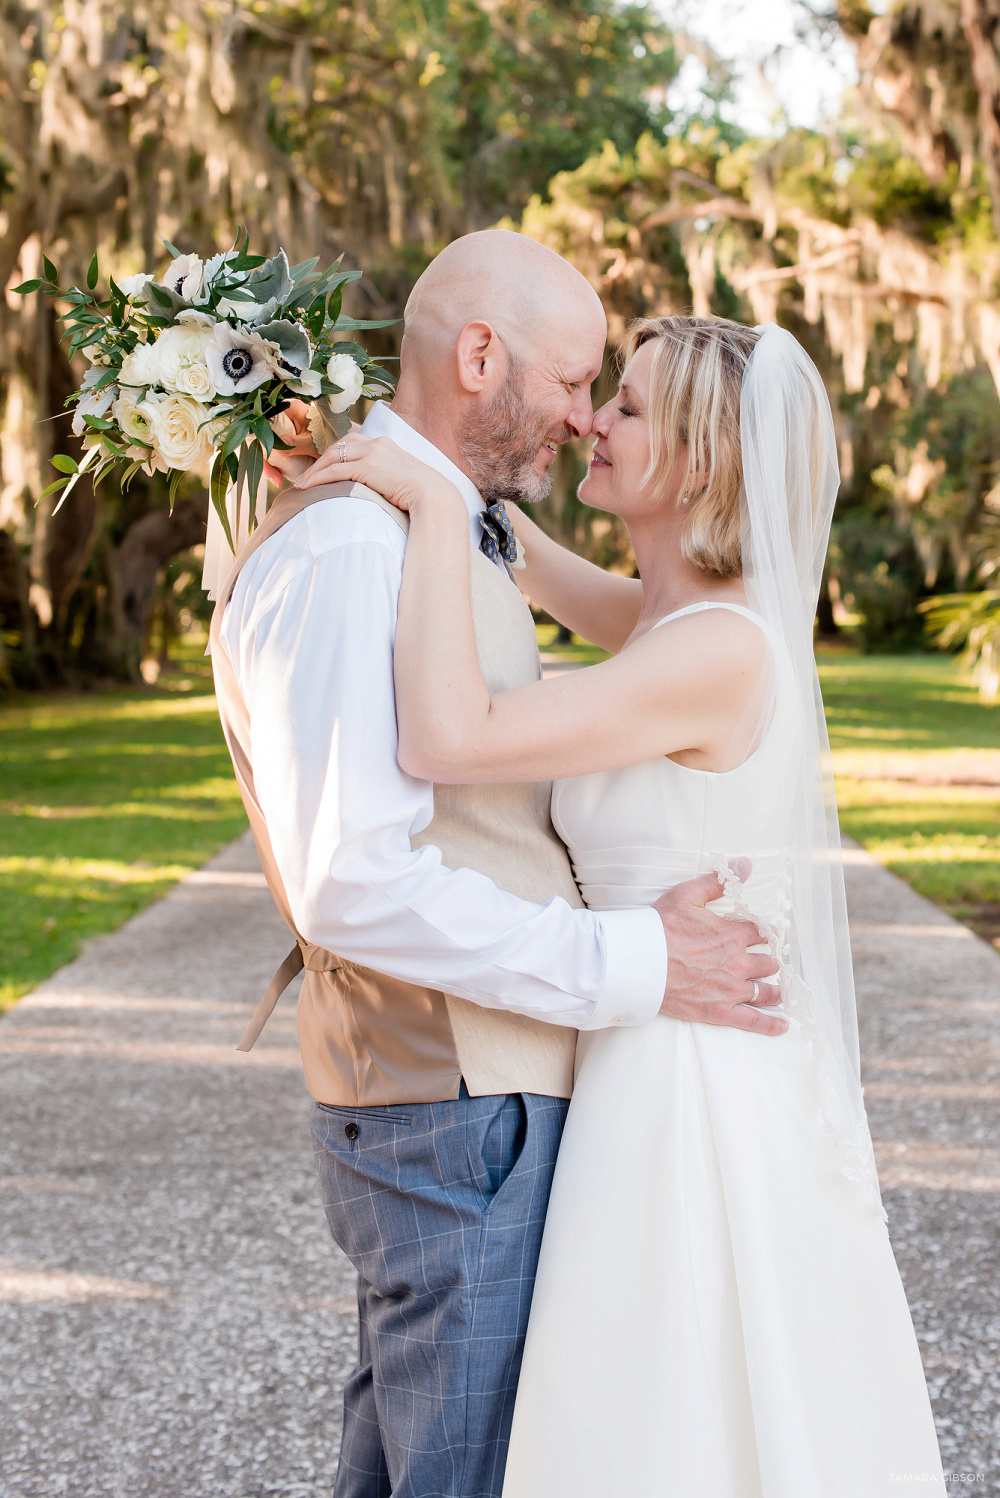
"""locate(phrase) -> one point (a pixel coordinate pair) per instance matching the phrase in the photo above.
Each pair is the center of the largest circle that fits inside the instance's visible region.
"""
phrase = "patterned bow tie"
(498, 536)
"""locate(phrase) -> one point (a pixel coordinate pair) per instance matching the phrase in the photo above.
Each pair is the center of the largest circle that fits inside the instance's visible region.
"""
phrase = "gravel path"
(174, 1321)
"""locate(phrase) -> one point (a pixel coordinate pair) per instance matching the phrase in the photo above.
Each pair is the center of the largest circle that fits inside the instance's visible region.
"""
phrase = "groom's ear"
(479, 357)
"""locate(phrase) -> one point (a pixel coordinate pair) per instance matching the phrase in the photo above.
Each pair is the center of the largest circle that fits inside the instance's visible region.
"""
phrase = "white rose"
(134, 286)
(140, 367)
(180, 360)
(176, 423)
(185, 277)
(341, 370)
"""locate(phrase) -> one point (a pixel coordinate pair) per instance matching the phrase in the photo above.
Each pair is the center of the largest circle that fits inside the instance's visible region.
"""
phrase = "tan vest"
(366, 1038)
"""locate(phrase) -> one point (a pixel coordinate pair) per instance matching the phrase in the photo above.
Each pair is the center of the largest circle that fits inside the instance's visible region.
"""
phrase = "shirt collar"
(382, 421)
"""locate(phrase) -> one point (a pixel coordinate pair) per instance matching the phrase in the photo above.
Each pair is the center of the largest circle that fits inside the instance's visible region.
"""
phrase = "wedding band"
(756, 992)
(342, 451)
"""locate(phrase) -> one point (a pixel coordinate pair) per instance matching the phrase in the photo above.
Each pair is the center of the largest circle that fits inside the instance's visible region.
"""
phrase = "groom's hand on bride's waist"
(712, 977)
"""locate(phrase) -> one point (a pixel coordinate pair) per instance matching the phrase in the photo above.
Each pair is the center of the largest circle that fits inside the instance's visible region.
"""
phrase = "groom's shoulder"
(320, 530)
(328, 524)
(349, 517)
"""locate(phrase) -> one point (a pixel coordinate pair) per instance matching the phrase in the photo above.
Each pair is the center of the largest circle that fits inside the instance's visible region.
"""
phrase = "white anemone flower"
(309, 383)
(185, 277)
(238, 360)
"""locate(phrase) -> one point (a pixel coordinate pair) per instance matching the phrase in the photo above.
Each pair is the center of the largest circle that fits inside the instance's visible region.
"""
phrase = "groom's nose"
(581, 417)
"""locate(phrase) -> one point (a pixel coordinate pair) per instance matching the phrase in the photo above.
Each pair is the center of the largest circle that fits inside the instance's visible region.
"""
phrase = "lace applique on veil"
(849, 1133)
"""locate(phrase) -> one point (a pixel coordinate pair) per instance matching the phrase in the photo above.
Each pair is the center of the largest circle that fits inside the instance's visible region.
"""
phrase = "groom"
(449, 964)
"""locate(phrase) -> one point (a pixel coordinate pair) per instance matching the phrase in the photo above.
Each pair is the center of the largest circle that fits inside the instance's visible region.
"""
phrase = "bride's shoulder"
(717, 637)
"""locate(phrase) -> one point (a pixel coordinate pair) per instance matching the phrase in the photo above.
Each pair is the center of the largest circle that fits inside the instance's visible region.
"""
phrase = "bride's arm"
(594, 604)
(682, 687)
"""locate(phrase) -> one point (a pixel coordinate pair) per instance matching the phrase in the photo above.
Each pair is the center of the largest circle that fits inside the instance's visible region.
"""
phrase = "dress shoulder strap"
(708, 603)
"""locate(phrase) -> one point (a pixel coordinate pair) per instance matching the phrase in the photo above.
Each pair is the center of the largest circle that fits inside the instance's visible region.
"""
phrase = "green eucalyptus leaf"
(255, 472)
(357, 353)
(63, 464)
(92, 271)
(218, 485)
(262, 431)
(176, 474)
(51, 274)
(53, 488)
(130, 473)
(356, 324)
(26, 287)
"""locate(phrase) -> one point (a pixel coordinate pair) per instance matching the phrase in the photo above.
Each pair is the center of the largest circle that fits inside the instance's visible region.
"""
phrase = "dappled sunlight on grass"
(108, 798)
(917, 758)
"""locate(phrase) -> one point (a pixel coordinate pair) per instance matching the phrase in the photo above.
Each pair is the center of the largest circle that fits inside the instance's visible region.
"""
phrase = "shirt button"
(352, 1131)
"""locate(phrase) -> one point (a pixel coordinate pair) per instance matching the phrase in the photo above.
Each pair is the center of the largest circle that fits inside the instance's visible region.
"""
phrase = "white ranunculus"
(95, 403)
(141, 366)
(189, 317)
(134, 286)
(134, 422)
(238, 360)
(180, 360)
(176, 425)
(341, 370)
(309, 383)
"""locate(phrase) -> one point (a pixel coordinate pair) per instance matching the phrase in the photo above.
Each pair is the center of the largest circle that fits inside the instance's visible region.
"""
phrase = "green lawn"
(109, 797)
(106, 799)
(917, 758)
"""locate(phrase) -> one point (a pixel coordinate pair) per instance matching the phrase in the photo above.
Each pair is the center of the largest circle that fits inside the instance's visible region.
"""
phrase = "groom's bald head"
(502, 340)
(522, 288)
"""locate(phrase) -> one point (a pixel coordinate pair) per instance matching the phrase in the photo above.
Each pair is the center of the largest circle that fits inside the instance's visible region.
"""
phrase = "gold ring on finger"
(342, 451)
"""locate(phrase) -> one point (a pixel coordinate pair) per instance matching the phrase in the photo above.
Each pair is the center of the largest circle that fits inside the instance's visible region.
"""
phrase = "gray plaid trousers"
(440, 1207)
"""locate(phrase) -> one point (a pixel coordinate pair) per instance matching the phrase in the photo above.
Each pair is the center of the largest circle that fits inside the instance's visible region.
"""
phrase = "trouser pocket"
(502, 1142)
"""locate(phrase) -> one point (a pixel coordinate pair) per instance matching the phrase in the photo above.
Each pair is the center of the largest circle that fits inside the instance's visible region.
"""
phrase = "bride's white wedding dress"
(717, 1309)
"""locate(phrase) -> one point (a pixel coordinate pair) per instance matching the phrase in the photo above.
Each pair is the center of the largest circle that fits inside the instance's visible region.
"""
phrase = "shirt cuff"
(635, 969)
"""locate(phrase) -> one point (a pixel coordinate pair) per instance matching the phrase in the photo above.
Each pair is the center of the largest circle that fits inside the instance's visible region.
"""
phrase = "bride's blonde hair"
(694, 401)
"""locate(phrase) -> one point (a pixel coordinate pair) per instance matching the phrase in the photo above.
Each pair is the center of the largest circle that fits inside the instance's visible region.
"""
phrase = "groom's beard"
(500, 450)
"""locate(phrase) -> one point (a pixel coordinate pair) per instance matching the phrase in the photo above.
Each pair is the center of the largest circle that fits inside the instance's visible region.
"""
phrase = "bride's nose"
(601, 423)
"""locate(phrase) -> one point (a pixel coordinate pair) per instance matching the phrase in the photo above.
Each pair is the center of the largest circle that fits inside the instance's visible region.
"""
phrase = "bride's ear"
(479, 357)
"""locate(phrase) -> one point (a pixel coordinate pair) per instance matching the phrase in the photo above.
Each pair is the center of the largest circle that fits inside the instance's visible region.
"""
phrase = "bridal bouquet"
(190, 371)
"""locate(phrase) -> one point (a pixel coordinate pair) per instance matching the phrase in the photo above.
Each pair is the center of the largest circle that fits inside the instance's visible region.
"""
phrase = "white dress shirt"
(310, 630)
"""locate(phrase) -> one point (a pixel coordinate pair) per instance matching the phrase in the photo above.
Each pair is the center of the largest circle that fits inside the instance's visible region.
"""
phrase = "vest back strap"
(302, 955)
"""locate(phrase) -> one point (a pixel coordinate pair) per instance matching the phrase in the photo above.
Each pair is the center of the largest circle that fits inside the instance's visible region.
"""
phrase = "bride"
(717, 1308)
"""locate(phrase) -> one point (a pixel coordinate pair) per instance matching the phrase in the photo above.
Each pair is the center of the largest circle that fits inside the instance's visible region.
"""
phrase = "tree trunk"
(147, 545)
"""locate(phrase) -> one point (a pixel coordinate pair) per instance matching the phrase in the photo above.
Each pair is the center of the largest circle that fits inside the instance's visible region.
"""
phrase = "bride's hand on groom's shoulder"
(382, 465)
(712, 976)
